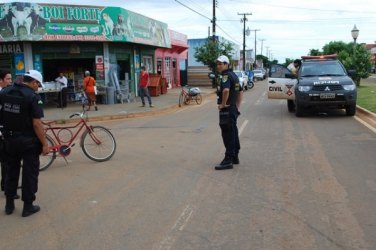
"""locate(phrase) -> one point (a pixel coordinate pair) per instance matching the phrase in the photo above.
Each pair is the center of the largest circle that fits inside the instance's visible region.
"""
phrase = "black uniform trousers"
(4, 163)
(27, 149)
(230, 135)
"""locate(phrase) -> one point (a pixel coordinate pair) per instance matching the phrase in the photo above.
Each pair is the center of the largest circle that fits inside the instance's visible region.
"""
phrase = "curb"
(365, 111)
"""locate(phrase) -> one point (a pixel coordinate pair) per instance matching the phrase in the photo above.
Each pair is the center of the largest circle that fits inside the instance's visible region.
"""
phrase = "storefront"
(171, 63)
(111, 42)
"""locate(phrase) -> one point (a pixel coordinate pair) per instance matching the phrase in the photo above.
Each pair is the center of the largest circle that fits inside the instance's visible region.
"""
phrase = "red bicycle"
(97, 142)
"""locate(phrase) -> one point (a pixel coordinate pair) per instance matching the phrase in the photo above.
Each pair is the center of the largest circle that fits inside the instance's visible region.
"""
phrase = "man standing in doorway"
(62, 99)
(143, 88)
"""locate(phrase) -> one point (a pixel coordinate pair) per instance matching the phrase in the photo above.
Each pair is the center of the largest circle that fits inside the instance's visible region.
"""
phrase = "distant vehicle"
(258, 74)
(243, 79)
(322, 81)
(264, 72)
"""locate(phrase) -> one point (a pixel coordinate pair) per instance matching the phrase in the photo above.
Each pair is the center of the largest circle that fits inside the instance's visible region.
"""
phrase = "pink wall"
(177, 52)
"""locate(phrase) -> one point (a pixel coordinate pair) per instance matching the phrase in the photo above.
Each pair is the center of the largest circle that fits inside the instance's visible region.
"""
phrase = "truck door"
(280, 87)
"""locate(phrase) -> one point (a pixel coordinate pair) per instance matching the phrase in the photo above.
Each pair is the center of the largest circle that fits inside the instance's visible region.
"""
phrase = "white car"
(258, 74)
(243, 78)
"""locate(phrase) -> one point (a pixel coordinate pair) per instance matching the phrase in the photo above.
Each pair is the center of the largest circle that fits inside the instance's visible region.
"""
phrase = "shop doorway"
(73, 68)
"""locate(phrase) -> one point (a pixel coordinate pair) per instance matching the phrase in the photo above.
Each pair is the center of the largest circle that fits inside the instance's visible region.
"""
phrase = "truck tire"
(299, 110)
(350, 110)
(290, 105)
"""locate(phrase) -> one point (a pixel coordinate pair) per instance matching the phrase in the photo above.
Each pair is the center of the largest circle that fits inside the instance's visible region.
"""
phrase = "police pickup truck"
(321, 81)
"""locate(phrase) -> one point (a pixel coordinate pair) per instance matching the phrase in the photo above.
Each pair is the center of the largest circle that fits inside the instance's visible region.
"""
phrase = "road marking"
(243, 126)
(261, 98)
(365, 124)
(179, 225)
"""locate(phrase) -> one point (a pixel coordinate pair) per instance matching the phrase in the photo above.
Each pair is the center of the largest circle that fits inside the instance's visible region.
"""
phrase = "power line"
(193, 10)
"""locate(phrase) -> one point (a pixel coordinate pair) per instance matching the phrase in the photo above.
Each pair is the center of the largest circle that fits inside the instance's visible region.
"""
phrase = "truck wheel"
(290, 105)
(350, 110)
(299, 110)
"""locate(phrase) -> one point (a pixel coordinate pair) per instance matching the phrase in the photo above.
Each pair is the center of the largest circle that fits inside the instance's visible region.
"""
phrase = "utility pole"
(243, 20)
(255, 30)
(262, 42)
(214, 18)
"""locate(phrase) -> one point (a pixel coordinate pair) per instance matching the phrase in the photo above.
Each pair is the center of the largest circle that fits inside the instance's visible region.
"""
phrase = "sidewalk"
(163, 103)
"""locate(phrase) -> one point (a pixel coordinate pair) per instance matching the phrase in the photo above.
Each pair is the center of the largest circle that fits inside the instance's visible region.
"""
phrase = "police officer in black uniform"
(228, 102)
(20, 113)
(5, 81)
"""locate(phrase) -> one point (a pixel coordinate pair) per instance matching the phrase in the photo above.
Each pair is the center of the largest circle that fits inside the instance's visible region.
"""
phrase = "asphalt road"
(302, 183)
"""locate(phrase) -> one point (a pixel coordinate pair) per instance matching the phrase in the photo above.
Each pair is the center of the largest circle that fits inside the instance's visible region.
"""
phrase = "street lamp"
(354, 34)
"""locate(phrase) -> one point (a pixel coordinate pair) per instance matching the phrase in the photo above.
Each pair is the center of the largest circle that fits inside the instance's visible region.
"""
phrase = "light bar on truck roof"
(333, 56)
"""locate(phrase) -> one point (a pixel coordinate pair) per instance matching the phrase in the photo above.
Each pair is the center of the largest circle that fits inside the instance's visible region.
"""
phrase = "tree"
(352, 57)
(210, 51)
(314, 52)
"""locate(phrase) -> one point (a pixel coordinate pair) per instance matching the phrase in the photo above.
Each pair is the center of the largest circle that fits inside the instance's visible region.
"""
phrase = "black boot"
(225, 164)
(9, 206)
(235, 159)
(29, 209)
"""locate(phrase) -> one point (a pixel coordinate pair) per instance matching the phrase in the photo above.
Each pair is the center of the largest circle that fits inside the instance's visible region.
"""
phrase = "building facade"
(111, 42)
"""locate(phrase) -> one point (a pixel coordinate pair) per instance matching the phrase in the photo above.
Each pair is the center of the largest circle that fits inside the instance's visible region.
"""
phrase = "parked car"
(243, 79)
(258, 75)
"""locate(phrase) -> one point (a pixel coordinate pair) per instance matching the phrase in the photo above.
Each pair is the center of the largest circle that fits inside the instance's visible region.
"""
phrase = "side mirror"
(351, 72)
(212, 75)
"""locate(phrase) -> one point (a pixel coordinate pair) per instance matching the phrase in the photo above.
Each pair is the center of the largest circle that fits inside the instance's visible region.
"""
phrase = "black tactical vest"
(15, 110)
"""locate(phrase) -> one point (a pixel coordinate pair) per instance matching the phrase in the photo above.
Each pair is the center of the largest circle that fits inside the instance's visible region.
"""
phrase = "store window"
(147, 61)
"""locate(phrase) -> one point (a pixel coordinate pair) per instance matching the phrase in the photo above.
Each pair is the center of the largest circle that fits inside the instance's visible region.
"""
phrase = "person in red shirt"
(143, 87)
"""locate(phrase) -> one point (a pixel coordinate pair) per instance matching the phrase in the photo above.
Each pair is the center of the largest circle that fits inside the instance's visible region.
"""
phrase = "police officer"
(21, 113)
(5, 81)
(228, 103)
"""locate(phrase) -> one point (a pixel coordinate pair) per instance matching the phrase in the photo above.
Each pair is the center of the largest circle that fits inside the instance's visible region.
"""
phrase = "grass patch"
(367, 95)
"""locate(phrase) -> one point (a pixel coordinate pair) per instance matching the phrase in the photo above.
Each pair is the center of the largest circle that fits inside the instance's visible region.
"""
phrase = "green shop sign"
(21, 21)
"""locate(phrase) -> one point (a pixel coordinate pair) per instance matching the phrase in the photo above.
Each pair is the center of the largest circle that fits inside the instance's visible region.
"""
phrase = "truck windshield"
(322, 68)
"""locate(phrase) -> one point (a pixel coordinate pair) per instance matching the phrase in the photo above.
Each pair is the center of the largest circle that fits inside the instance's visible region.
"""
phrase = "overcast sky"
(289, 29)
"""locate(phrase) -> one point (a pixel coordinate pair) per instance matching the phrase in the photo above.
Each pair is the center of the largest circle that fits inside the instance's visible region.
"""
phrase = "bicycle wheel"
(187, 99)
(181, 99)
(198, 99)
(99, 145)
(46, 160)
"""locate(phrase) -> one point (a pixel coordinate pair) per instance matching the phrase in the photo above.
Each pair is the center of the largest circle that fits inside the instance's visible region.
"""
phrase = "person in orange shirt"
(89, 88)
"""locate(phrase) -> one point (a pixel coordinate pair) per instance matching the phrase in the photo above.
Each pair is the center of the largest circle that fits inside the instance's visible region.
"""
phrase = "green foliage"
(211, 50)
(353, 57)
(315, 52)
(288, 61)
(367, 95)
(265, 60)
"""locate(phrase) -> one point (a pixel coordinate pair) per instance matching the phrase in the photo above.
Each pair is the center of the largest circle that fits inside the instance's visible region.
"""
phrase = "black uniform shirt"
(11, 117)
(230, 81)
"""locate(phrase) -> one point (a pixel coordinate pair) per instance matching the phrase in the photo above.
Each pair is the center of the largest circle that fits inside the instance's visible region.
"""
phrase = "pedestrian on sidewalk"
(143, 87)
(89, 89)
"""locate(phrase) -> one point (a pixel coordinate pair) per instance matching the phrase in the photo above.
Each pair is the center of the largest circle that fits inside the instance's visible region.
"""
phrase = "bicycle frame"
(63, 147)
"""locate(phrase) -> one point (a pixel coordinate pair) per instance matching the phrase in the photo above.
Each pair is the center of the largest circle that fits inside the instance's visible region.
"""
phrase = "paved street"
(302, 183)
